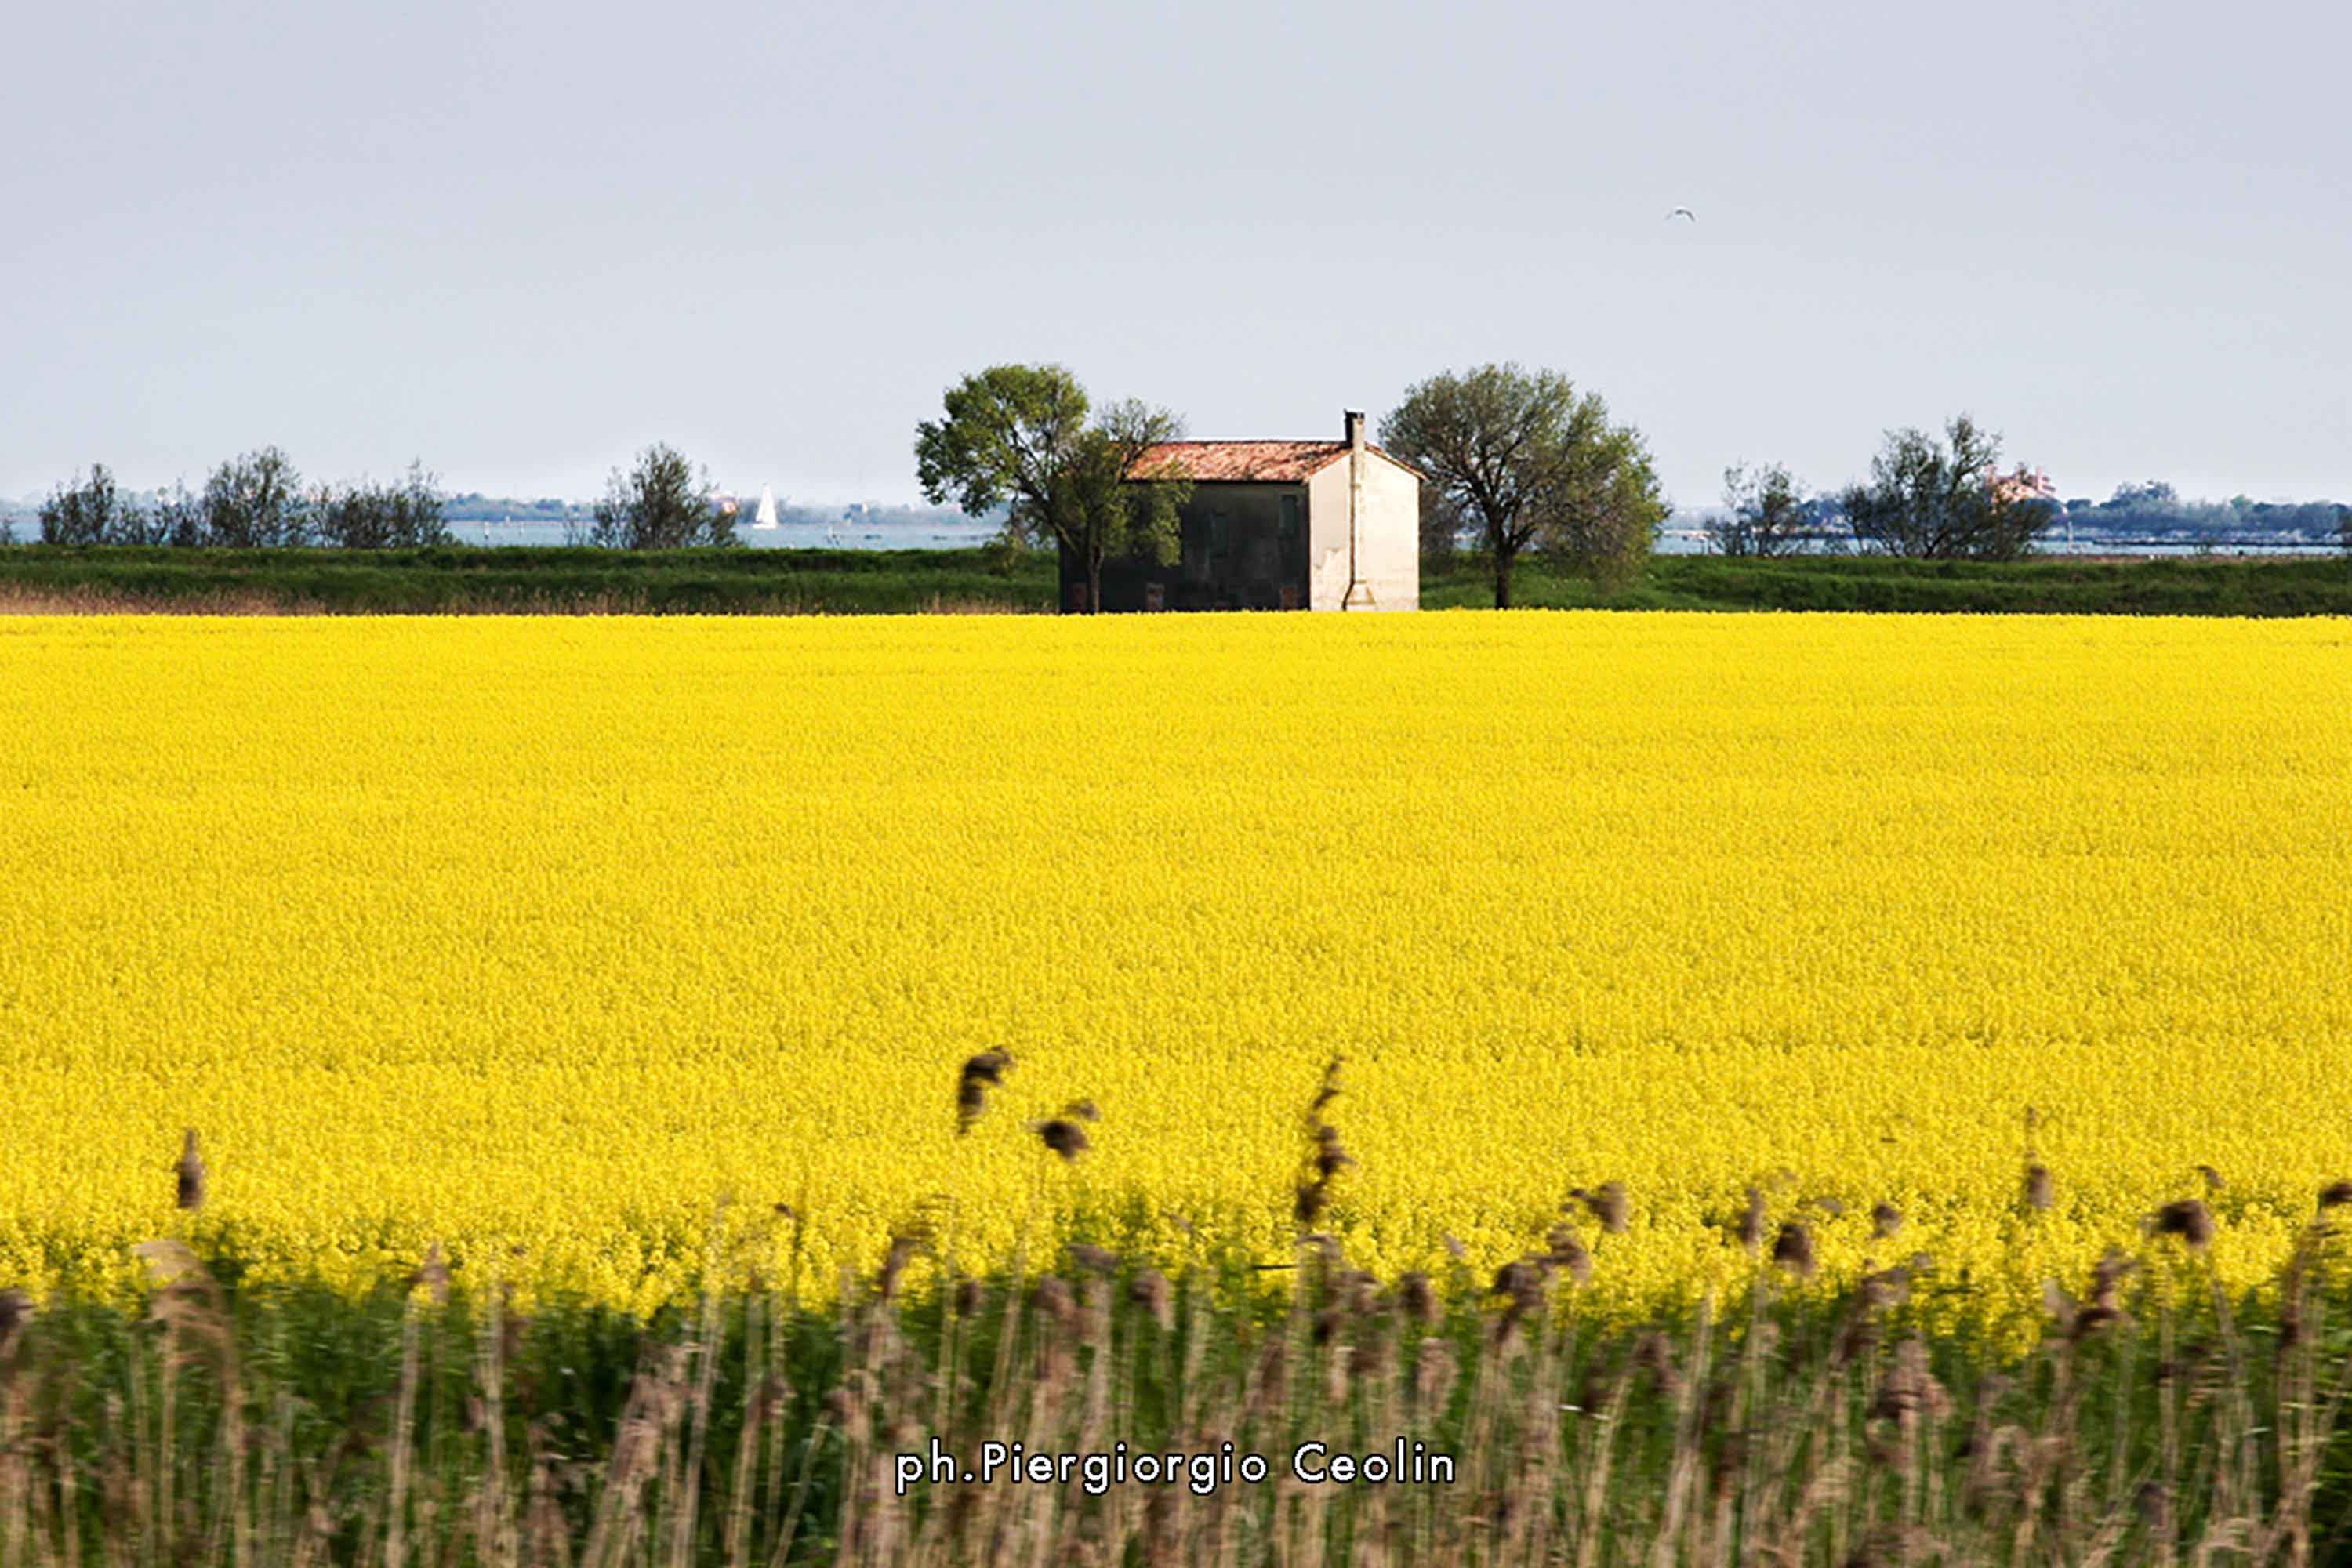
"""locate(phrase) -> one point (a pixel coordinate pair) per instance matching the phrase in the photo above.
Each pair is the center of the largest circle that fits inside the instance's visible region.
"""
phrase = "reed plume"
(191, 1172)
(2186, 1218)
(1792, 1249)
(979, 1074)
(1067, 1138)
(1609, 1205)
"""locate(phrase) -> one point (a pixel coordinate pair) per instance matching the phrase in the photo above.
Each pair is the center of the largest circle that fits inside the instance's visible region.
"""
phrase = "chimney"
(1355, 417)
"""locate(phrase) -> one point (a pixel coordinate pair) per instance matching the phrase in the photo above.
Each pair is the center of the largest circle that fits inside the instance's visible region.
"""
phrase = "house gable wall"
(1388, 546)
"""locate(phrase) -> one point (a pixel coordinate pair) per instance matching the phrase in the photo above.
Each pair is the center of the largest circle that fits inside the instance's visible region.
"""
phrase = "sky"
(520, 241)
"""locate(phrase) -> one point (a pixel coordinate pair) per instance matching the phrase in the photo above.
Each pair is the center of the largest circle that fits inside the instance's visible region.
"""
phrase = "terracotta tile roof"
(1262, 462)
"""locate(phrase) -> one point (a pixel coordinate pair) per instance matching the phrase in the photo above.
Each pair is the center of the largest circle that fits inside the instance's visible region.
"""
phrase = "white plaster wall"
(1327, 538)
(1389, 544)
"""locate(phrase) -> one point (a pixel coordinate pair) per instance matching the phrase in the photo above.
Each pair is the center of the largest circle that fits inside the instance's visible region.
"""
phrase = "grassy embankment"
(470, 579)
(475, 579)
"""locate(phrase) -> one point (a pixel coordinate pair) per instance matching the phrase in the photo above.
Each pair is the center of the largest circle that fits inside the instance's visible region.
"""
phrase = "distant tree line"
(1516, 461)
(1931, 497)
(2154, 509)
(258, 500)
(473, 506)
(253, 501)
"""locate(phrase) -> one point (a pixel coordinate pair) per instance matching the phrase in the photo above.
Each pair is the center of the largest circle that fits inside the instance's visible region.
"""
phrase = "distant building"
(1277, 525)
(2024, 485)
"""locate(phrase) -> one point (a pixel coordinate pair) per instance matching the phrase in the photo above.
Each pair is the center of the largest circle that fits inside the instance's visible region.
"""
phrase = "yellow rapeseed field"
(538, 937)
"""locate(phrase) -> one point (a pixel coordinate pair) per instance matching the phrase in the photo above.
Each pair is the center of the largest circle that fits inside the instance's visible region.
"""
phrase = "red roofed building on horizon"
(2024, 485)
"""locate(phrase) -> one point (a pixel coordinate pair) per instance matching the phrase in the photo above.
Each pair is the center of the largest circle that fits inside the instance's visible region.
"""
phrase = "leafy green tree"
(1018, 436)
(1765, 512)
(1606, 515)
(367, 516)
(1937, 499)
(255, 501)
(92, 511)
(1529, 462)
(665, 502)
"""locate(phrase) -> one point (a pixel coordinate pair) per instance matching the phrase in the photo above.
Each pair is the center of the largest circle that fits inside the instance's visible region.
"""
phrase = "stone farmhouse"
(1278, 525)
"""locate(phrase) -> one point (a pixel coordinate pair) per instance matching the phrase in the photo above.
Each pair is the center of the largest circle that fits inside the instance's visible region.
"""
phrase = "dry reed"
(2152, 1424)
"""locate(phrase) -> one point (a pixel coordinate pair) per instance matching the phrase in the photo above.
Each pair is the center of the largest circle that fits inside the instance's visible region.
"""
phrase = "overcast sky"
(520, 240)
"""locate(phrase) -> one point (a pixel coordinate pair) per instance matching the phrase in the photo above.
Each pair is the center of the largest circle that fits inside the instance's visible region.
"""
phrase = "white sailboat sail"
(767, 517)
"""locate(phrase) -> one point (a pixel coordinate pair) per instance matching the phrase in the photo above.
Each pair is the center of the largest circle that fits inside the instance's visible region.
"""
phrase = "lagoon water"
(932, 534)
(955, 533)
(853, 534)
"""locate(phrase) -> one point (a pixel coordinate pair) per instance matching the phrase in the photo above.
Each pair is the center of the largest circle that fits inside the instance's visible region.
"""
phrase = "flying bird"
(1682, 212)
